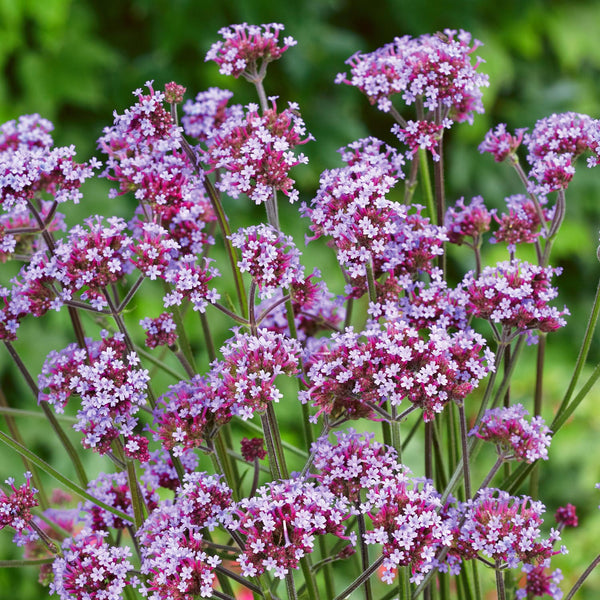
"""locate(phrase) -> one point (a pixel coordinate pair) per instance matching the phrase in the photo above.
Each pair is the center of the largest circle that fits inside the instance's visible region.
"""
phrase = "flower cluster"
(500, 143)
(554, 145)
(407, 523)
(521, 225)
(436, 69)
(247, 48)
(91, 568)
(424, 135)
(204, 115)
(189, 414)
(254, 152)
(174, 556)
(515, 294)
(470, 220)
(280, 522)
(160, 331)
(515, 437)
(270, 257)
(251, 363)
(111, 385)
(31, 168)
(358, 372)
(15, 508)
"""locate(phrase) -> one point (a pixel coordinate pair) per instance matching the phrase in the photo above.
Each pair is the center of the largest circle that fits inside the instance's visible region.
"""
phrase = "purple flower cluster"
(31, 168)
(554, 145)
(434, 69)
(280, 524)
(15, 508)
(270, 257)
(500, 143)
(112, 388)
(91, 568)
(174, 557)
(467, 221)
(205, 115)
(516, 295)
(514, 436)
(358, 372)
(160, 331)
(247, 48)
(254, 152)
(424, 135)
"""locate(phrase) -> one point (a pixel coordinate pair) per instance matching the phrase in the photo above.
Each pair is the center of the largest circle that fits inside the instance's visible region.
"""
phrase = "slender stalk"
(583, 577)
(360, 579)
(500, 582)
(62, 436)
(465, 450)
(364, 553)
(426, 183)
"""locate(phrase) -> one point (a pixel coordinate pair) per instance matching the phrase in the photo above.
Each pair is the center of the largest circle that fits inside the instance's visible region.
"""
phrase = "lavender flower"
(270, 257)
(515, 437)
(247, 49)
(500, 143)
(91, 568)
(470, 220)
(15, 508)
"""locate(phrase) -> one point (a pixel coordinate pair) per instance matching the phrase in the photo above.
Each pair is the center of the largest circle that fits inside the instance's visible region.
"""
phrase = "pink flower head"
(113, 489)
(540, 582)
(566, 516)
(435, 68)
(159, 470)
(28, 133)
(253, 449)
(91, 568)
(189, 414)
(424, 135)
(471, 220)
(247, 49)
(153, 251)
(280, 523)
(270, 257)
(190, 281)
(15, 508)
(251, 363)
(160, 331)
(515, 294)
(112, 388)
(408, 523)
(255, 152)
(204, 115)
(515, 436)
(174, 93)
(521, 224)
(356, 462)
(504, 528)
(501, 144)
(554, 145)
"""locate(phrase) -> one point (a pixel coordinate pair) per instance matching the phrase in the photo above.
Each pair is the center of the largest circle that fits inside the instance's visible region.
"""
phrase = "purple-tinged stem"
(583, 577)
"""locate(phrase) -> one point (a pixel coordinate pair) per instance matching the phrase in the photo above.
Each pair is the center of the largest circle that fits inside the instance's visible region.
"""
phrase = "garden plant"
(413, 472)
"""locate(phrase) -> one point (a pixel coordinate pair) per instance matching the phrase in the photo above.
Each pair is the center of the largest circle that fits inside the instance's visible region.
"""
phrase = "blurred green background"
(74, 62)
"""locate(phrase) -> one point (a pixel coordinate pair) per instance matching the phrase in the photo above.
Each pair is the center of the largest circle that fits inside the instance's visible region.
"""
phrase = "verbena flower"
(554, 145)
(189, 414)
(435, 69)
(280, 524)
(408, 523)
(254, 152)
(190, 281)
(111, 386)
(91, 568)
(354, 464)
(160, 331)
(516, 295)
(566, 516)
(15, 507)
(159, 470)
(246, 374)
(174, 557)
(206, 113)
(521, 225)
(515, 436)
(467, 220)
(540, 582)
(359, 371)
(253, 449)
(247, 49)
(27, 133)
(424, 135)
(270, 257)
(505, 529)
(500, 143)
